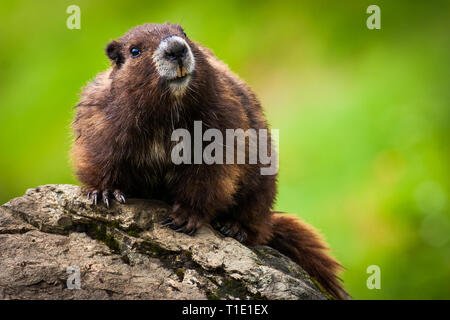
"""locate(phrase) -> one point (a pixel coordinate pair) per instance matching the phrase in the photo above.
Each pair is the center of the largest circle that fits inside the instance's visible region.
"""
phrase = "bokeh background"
(363, 114)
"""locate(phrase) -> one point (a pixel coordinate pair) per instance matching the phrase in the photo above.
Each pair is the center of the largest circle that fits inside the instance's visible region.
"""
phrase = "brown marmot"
(160, 80)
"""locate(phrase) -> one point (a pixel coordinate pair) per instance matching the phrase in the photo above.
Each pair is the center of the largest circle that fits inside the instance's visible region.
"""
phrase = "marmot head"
(153, 58)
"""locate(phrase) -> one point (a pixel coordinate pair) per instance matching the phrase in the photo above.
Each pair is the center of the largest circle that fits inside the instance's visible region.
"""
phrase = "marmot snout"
(174, 62)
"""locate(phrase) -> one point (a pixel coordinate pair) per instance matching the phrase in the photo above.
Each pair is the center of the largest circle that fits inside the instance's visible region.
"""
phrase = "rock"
(124, 253)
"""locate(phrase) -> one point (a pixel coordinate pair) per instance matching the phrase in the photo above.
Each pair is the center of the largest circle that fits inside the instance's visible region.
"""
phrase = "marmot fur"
(160, 80)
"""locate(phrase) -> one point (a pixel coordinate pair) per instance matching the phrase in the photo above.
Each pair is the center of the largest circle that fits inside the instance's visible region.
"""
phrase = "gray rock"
(124, 253)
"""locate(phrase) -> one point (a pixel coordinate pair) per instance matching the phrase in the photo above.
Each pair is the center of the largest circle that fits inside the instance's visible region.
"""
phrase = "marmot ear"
(114, 53)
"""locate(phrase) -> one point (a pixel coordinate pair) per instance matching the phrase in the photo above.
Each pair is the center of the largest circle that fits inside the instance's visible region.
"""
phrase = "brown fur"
(304, 245)
(123, 129)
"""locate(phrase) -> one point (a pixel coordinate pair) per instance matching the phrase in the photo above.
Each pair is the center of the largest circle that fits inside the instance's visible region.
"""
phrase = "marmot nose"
(176, 52)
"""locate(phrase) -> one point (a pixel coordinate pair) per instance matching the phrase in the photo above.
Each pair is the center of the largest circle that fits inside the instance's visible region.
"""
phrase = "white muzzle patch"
(175, 70)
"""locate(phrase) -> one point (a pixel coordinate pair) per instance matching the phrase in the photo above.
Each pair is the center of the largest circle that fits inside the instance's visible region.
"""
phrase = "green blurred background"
(363, 114)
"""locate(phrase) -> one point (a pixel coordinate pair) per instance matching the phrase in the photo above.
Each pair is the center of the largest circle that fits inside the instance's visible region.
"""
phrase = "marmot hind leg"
(232, 228)
(183, 219)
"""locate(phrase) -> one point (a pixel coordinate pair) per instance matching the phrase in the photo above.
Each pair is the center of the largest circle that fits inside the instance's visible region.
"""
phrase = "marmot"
(161, 80)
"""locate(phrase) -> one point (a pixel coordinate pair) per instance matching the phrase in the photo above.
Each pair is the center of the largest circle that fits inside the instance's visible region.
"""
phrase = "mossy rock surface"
(123, 252)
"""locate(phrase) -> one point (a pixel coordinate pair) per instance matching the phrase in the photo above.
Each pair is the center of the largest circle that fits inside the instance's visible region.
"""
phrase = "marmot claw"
(105, 195)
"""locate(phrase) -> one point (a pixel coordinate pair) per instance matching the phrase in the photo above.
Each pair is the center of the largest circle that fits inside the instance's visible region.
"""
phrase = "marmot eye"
(135, 52)
(184, 33)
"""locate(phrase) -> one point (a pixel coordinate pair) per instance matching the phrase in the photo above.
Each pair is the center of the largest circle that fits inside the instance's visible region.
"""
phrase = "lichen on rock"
(123, 252)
